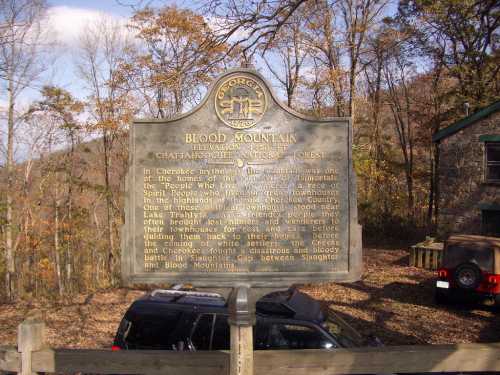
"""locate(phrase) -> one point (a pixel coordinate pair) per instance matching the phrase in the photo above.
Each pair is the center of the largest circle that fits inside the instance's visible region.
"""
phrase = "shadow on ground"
(396, 303)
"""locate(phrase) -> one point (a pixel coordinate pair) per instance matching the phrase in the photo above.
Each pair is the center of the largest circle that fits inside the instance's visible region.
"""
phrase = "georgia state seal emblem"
(240, 102)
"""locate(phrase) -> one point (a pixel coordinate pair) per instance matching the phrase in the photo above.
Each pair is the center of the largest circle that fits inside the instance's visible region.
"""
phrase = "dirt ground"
(392, 301)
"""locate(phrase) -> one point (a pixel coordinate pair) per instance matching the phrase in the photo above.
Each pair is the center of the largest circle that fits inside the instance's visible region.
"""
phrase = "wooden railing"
(32, 357)
(427, 254)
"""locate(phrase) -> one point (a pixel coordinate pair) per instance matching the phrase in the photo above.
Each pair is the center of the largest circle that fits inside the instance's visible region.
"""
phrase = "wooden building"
(469, 174)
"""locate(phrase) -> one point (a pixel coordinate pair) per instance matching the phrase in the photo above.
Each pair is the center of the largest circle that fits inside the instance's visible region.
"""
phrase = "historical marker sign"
(241, 189)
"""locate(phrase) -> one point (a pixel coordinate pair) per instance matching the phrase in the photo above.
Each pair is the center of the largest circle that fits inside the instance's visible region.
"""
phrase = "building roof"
(467, 121)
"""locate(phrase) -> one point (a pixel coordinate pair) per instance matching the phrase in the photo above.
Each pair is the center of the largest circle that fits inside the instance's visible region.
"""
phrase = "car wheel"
(468, 276)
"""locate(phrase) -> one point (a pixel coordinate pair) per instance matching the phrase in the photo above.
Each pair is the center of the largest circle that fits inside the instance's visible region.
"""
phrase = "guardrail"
(32, 356)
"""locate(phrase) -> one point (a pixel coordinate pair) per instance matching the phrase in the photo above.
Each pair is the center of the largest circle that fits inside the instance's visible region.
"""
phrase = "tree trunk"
(289, 97)
(430, 203)
(178, 99)
(109, 210)
(95, 255)
(376, 115)
(57, 257)
(69, 244)
(436, 187)
(352, 88)
(409, 186)
(9, 244)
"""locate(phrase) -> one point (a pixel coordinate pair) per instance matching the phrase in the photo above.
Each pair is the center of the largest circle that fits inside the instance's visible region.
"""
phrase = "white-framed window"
(492, 161)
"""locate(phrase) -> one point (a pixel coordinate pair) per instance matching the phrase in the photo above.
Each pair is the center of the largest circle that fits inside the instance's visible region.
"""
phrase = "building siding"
(461, 178)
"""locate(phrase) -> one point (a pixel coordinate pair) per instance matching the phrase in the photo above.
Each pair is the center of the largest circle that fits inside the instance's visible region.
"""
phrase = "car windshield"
(345, 335)
(456, 255)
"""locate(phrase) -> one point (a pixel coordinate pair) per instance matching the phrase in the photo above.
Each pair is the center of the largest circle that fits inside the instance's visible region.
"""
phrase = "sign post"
(241, 322)
(241, 191)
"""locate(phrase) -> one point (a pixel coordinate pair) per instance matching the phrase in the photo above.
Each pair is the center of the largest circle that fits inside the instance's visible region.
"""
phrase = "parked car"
(470, 269)
(190, 320)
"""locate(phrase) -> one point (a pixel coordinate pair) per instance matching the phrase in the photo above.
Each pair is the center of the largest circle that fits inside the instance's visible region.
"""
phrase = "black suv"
(189, 320)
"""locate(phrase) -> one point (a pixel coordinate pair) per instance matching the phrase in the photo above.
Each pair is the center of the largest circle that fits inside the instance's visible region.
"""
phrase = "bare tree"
(359, 17)
(103, 47)
(60, 111)
(327, 47)
(250, 24)
(339, 33)
(286, 55)
(21, 37)
(39, 136)
(399, 72)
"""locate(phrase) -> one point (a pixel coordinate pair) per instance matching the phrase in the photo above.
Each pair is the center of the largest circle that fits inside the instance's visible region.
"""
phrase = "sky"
(67, 19)
(108, 6)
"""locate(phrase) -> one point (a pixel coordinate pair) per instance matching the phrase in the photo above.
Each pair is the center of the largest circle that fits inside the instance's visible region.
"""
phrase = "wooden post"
(241, 321)
(30, 338)
(241, 361)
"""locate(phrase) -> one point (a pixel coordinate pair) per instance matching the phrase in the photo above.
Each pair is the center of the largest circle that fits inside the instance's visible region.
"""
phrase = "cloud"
(69, 22)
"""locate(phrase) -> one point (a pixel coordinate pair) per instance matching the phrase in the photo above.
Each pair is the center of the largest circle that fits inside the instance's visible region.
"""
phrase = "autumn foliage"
(402, 73)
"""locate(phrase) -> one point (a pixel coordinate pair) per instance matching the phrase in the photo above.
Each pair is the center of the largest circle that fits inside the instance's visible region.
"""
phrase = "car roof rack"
(277, 302)
(182, 293)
